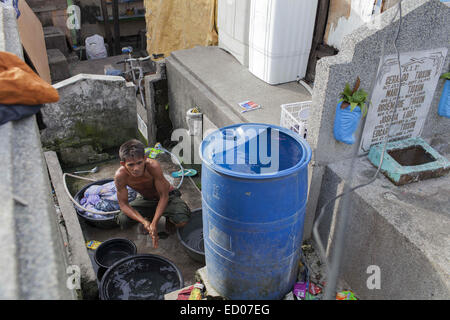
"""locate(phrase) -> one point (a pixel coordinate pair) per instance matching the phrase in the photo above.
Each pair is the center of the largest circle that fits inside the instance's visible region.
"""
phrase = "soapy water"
(142, 280)
(194, 239)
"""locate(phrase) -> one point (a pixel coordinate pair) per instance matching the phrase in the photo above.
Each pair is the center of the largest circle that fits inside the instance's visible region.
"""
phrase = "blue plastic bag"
(345, 123)
(444, 103)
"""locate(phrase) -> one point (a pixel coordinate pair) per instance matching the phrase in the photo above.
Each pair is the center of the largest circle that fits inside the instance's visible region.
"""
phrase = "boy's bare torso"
(145, 184)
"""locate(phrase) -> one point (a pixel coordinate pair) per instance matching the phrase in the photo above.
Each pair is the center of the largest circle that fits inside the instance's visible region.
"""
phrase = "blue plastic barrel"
(254, 191)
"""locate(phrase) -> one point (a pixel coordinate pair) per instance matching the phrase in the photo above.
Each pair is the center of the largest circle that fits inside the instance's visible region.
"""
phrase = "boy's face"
(135, 167)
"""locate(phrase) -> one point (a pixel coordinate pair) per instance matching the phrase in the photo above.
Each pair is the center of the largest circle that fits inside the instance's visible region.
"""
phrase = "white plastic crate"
(294, 116)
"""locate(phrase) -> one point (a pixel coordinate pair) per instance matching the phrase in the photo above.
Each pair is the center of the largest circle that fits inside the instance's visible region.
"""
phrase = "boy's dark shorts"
(176, 211)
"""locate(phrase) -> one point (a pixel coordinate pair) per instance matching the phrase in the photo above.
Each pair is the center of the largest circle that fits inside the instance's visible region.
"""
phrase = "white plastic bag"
(95, 47)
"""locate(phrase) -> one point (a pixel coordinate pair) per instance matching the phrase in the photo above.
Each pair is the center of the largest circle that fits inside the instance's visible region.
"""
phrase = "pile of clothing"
(22, 91)
(103, 198)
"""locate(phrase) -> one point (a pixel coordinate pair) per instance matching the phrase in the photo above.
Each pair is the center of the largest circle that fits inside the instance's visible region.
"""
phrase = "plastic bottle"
(196, 293)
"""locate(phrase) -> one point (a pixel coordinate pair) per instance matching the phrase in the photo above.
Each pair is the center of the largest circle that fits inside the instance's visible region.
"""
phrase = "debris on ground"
(314, 289)
(345, 295)
(300, 290)
(185, 172)
(197, 291)
(185, 294)
(153, 152)
(93, 244)
(311, 281)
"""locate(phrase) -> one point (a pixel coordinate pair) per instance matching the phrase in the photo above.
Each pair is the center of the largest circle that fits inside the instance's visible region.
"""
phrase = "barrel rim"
(306, 157)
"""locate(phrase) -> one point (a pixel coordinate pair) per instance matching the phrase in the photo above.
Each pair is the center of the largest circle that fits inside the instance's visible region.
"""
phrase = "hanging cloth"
(19, 84)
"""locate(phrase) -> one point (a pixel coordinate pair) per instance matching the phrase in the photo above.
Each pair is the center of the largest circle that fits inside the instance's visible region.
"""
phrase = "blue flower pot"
(444, 103)
(345, 123)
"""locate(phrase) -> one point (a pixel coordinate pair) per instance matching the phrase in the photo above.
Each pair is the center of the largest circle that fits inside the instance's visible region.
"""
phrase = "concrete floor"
(170, 248)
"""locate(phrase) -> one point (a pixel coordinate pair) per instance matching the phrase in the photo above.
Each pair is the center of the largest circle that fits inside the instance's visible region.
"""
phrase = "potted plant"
(349, 111)
(444, 103)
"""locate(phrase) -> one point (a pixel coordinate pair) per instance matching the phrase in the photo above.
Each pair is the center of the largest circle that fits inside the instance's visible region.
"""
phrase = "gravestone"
(420, 74)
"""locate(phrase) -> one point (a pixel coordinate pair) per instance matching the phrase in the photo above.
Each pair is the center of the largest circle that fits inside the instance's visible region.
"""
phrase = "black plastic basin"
(140, 277)
(191, 237)
(113, 250)
(103, 221)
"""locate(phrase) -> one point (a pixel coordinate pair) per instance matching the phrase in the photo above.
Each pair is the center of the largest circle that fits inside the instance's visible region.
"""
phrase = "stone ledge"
(32, 257)
(76, 242)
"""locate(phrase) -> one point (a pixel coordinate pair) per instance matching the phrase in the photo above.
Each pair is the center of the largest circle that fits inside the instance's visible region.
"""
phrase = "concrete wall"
(402, 231)
(94, 113)
(345, 16)
(32, 256)
(187, 91)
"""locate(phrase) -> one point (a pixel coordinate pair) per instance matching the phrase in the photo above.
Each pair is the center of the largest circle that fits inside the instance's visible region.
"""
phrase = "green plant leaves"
(360, 96)
(355, 99)
(347, 93)
(446, 76)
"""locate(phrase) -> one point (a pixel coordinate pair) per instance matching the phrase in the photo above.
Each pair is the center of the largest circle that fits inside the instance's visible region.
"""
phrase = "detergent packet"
(93, 244)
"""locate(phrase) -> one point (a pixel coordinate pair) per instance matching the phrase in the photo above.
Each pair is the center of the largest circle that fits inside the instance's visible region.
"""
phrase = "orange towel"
(19, 84)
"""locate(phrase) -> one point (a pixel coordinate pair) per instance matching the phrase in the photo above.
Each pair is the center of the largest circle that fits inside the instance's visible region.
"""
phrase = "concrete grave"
(95, 113)
(380, 228)
(423, 28)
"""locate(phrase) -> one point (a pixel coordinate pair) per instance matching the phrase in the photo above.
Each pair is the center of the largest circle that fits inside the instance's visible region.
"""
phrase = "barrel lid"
(255, 151)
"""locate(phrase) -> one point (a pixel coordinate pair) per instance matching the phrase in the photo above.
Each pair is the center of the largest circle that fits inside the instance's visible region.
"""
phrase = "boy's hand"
(152, 230)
